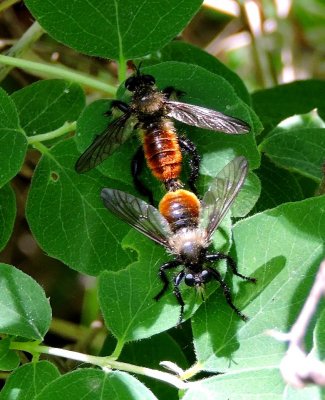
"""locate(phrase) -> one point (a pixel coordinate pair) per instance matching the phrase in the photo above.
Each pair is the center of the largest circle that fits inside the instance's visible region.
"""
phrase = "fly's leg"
(136, 169)
(189, 147)
(124, 107)
(230, 263)
(177, 280)
(170, 91)
(163, 276)
(226, 291)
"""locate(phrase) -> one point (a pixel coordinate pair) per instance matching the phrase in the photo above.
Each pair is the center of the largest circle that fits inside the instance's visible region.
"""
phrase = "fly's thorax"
(148, 102)
(181, 209)
(189, 246)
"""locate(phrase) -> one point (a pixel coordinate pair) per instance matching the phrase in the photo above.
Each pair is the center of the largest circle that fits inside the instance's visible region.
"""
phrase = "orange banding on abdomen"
(181, 209)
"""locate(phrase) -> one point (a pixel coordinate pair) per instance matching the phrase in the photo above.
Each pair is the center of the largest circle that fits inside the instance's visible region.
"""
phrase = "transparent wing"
(139, 214)
(205, 118)
(105, 144)
(221, 194)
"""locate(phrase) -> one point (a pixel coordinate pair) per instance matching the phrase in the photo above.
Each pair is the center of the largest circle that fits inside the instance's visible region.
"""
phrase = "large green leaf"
(186, 53)
(275, 104)
(7, 213)
(46, 105)
(25, 309)
(91, 384)
(301, 150)
(282, 248)
(28, 380)
(13, 142)
(68, 218)
(278, 186)
(114, 29)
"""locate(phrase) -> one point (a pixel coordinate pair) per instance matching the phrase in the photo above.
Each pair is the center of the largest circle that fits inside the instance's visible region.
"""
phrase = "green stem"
(121, 69)
(103, 362)
(7, 3)
(65, 128)
(118, 349)
(59, 72)
(41, 148)
(67, 330)
(33, 33)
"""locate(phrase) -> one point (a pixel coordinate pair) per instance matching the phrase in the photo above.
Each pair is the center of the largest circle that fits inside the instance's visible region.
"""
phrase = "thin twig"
(298, 367)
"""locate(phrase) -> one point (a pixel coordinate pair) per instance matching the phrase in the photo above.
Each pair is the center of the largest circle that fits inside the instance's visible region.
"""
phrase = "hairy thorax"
(188, 244)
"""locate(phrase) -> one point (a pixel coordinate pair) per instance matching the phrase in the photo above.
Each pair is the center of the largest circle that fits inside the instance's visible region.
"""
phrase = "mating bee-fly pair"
(184, 225)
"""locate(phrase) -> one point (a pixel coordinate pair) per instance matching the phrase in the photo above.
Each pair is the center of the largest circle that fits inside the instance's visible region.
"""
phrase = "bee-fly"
(184, 226)
(153, 112)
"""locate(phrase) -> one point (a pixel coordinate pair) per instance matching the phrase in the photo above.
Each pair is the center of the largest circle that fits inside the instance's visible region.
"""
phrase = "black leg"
(190, 148)
(230, 263)
(226, 292)
(177, 280)
(118, 104)
(164, 277)
(170, 91)
(136, 169)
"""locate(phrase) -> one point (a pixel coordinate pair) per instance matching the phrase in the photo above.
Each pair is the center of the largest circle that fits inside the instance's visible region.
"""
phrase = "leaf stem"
(103, 362)
(65, 128)
(59, 72)
(121, 69)
(118, 349)
(33, 33)
(41, 148)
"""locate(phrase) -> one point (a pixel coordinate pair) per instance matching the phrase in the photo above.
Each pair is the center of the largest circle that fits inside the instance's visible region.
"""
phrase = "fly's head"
(140, 83)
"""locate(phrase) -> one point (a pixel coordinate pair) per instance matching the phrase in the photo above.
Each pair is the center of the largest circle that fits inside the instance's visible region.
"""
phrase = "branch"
(297, 367)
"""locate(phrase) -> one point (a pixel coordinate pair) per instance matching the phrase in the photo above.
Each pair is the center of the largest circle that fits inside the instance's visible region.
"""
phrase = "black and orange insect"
(152, 111)
(184, 226)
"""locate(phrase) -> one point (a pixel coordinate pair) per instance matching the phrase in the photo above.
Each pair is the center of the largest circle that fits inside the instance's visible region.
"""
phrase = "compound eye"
(131, 83)
(149, 79)
(205, 276)
(189, 280)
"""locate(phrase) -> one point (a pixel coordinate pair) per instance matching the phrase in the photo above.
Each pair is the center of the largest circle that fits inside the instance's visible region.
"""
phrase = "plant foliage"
(278, 229)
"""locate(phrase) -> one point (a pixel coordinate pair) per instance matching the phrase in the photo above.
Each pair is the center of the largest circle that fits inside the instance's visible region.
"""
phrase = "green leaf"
(7, 214)
(67, 216)
(25, 309)
(261, 385)
(282, 248)
(186, 53)
(247, 196)
(13, 142)
(90, 384)
(28, 380)
(276, 104)
(114, 29)
(9, 359)
(46, 105)
(278, 186)
(300, 150)
(126, 296)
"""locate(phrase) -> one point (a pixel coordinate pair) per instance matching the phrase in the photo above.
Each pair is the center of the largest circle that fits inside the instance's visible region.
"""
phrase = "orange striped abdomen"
(181, 209)
(162, 151)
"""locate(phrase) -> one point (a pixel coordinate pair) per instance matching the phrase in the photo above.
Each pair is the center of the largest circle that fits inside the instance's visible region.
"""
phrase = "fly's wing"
(205, 118)
(139, 214)
(221, 194)
(106, 143)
